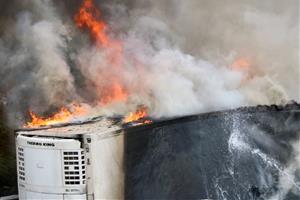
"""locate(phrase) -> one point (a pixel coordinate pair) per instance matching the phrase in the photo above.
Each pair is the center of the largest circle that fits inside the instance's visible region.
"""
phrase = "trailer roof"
(102, 125)
(75, 129)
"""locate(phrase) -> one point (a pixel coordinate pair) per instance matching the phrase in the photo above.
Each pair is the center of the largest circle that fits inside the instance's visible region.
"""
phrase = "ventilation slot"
(21, 164)
(74, 167)
(82, 167)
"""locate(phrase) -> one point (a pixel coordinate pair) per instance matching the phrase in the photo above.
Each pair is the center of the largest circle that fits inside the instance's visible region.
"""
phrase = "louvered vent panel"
(74, 167)
(21, 164)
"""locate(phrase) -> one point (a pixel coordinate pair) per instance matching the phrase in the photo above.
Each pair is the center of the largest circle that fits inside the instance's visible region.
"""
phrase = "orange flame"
(88, 17)
(140, 113)
(241, 64)
(115, 94)
(63, 115)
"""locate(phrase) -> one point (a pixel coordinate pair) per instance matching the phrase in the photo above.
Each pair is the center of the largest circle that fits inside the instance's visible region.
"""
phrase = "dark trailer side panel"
(224, 155)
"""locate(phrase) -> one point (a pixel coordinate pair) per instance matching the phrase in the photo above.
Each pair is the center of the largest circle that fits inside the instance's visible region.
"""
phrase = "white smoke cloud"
(184, 50)
(182, 85)
(177, 83)
(38, 75)
(267, 33)
(45, 41)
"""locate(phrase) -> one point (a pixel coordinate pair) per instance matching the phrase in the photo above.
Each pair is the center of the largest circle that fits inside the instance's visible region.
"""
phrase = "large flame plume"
(89, 18)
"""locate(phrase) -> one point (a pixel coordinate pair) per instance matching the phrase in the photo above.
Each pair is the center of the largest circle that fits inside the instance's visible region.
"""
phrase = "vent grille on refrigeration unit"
(21, 164)
(74, 167)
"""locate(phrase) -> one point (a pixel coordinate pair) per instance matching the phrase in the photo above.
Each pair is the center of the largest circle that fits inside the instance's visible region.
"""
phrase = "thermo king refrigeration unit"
(70, 161)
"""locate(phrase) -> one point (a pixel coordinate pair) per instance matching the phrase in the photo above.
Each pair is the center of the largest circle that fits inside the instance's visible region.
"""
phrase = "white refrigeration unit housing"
(74, 161)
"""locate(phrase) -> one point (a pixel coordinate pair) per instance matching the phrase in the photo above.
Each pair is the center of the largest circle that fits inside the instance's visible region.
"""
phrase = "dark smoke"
(186, 48)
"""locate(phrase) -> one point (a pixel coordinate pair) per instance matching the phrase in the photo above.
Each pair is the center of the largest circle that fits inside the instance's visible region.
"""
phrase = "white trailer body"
(76, 161)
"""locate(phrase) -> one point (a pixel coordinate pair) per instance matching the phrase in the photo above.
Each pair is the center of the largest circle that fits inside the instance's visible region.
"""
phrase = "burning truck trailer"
(246, 153)
(60, 162)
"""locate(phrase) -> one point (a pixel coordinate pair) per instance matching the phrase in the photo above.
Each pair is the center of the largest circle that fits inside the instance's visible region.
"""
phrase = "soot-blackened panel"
(239, 154)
